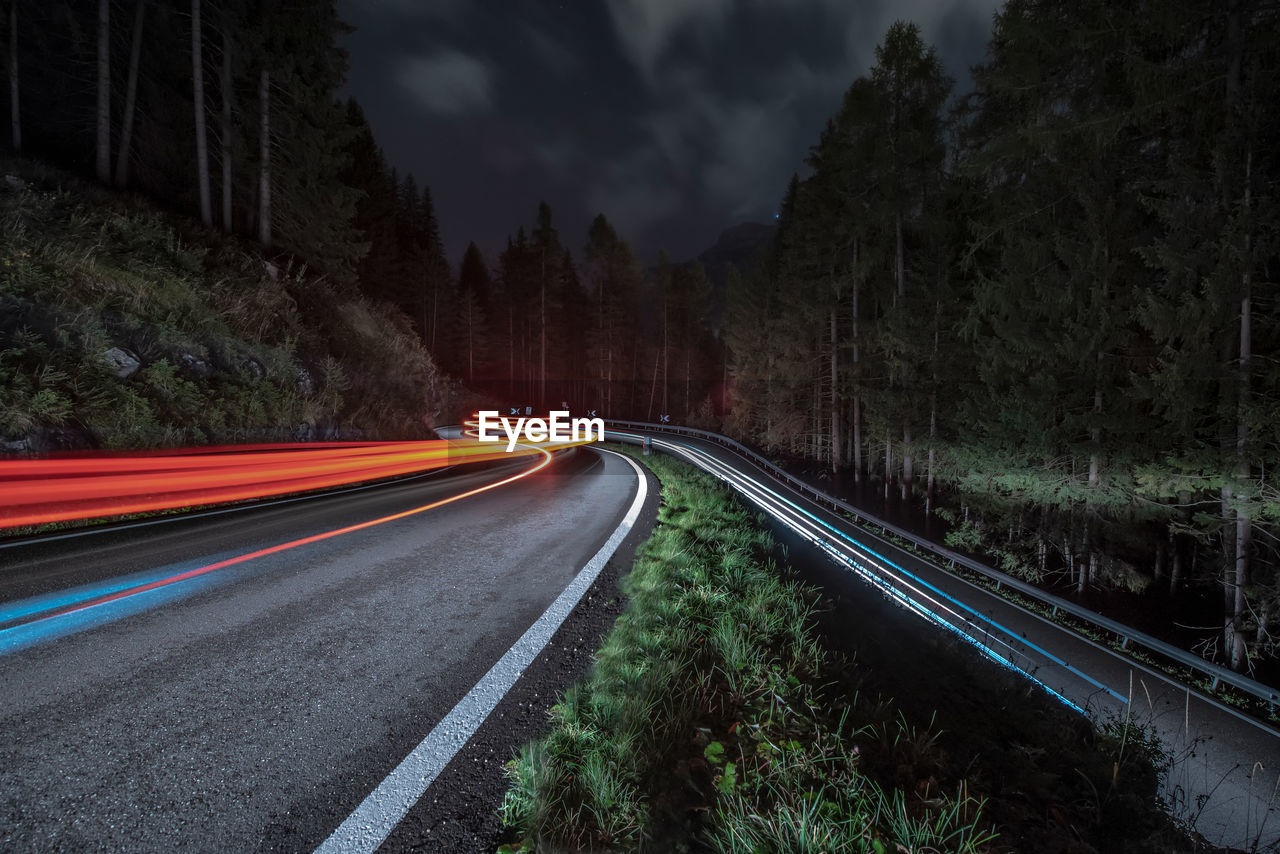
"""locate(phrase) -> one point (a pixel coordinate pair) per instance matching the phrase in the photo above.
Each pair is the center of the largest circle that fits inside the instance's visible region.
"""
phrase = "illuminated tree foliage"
(1059, 294)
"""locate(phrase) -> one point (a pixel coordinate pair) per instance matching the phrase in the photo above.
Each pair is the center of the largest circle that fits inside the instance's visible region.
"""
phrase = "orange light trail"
(281, 547)
(83, 486)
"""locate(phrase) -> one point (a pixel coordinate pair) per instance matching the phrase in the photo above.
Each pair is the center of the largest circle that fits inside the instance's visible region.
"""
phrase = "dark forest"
(1043, 311)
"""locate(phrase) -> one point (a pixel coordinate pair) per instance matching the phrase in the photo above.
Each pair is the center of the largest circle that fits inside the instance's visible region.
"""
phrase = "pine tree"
(376, 209)
(568, 345)
(131, 96)
(474, 286)
(614, 282)
(226, 93)
(546, 246)
(473, 275)
(912, 90)
(197, 93)
(518, 276)
(103, 144)
(1217, 210)
(15, 113)
(692, 346)
(304, 134)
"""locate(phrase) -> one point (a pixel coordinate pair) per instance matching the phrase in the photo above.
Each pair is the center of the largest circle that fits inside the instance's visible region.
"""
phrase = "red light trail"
(280, 547)
(84, 486)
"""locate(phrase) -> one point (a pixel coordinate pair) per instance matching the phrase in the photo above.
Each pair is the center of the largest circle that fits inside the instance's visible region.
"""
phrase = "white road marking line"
(379, 813)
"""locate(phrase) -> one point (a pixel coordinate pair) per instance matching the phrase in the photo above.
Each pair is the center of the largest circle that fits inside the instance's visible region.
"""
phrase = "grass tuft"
(707, 720)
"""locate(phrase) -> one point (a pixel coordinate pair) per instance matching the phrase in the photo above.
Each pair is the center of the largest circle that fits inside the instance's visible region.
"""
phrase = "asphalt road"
(254, 707)
(1226, 773)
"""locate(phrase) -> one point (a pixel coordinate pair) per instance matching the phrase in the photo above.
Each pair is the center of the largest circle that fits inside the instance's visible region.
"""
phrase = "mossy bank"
(124, 327)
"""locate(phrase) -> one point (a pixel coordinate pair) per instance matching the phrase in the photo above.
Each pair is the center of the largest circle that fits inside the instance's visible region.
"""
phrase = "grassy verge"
(716, 719)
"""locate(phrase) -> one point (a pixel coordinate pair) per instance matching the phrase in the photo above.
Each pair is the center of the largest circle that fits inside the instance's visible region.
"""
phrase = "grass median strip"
(716, 719)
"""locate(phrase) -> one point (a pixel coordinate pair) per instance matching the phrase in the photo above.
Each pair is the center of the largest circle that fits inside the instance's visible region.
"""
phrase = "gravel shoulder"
(459, 812)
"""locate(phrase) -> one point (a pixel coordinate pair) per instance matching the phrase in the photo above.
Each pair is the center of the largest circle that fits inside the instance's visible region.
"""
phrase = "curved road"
(1226, 774)
(256, 706)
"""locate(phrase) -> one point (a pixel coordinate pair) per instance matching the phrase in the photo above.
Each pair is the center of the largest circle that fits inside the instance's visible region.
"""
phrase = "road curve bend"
(258, 705)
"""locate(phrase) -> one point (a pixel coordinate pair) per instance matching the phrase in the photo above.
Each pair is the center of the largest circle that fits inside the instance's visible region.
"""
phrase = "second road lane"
(257, 706)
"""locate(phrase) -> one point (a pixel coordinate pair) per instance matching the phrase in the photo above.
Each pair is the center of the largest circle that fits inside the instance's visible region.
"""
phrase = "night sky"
(676, 118)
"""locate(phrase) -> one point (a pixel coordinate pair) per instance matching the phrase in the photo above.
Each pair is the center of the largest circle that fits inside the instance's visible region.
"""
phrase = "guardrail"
(1129, 636)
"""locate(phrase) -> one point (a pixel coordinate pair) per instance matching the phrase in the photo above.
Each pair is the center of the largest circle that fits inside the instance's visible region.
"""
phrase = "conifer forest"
(1039, 307)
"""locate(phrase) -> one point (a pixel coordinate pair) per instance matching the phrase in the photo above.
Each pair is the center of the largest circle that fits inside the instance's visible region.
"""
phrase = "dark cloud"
(676, 118)
(447, 81)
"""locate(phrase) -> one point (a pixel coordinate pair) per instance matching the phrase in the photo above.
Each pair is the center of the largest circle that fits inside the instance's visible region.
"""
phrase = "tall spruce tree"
(474, 287)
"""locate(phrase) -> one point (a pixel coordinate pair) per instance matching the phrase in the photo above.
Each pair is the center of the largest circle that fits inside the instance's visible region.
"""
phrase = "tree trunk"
(1226, 497)
(608, 369)
(249, 208)
(688, 381)
(227, 95)
(888, 467)
(1088, 567)
(933, 414)
(264, 159)
(816, 433)
(632, 403)
(666, 355)
(15, 113)
(1237, 564)
(835, 394)
(130, 97)
(933, 433)
(653, 387)
(435, 307)
(1244, 528)
(599, 337)
(899, 257)
(1095, 436)
(908, 473)
(104, 91)
(197, 91)
(543, 334)
(1175, 568)
(857, 396)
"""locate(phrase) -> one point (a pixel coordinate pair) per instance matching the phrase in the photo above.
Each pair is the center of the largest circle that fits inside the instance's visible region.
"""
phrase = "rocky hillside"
(122, 327)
